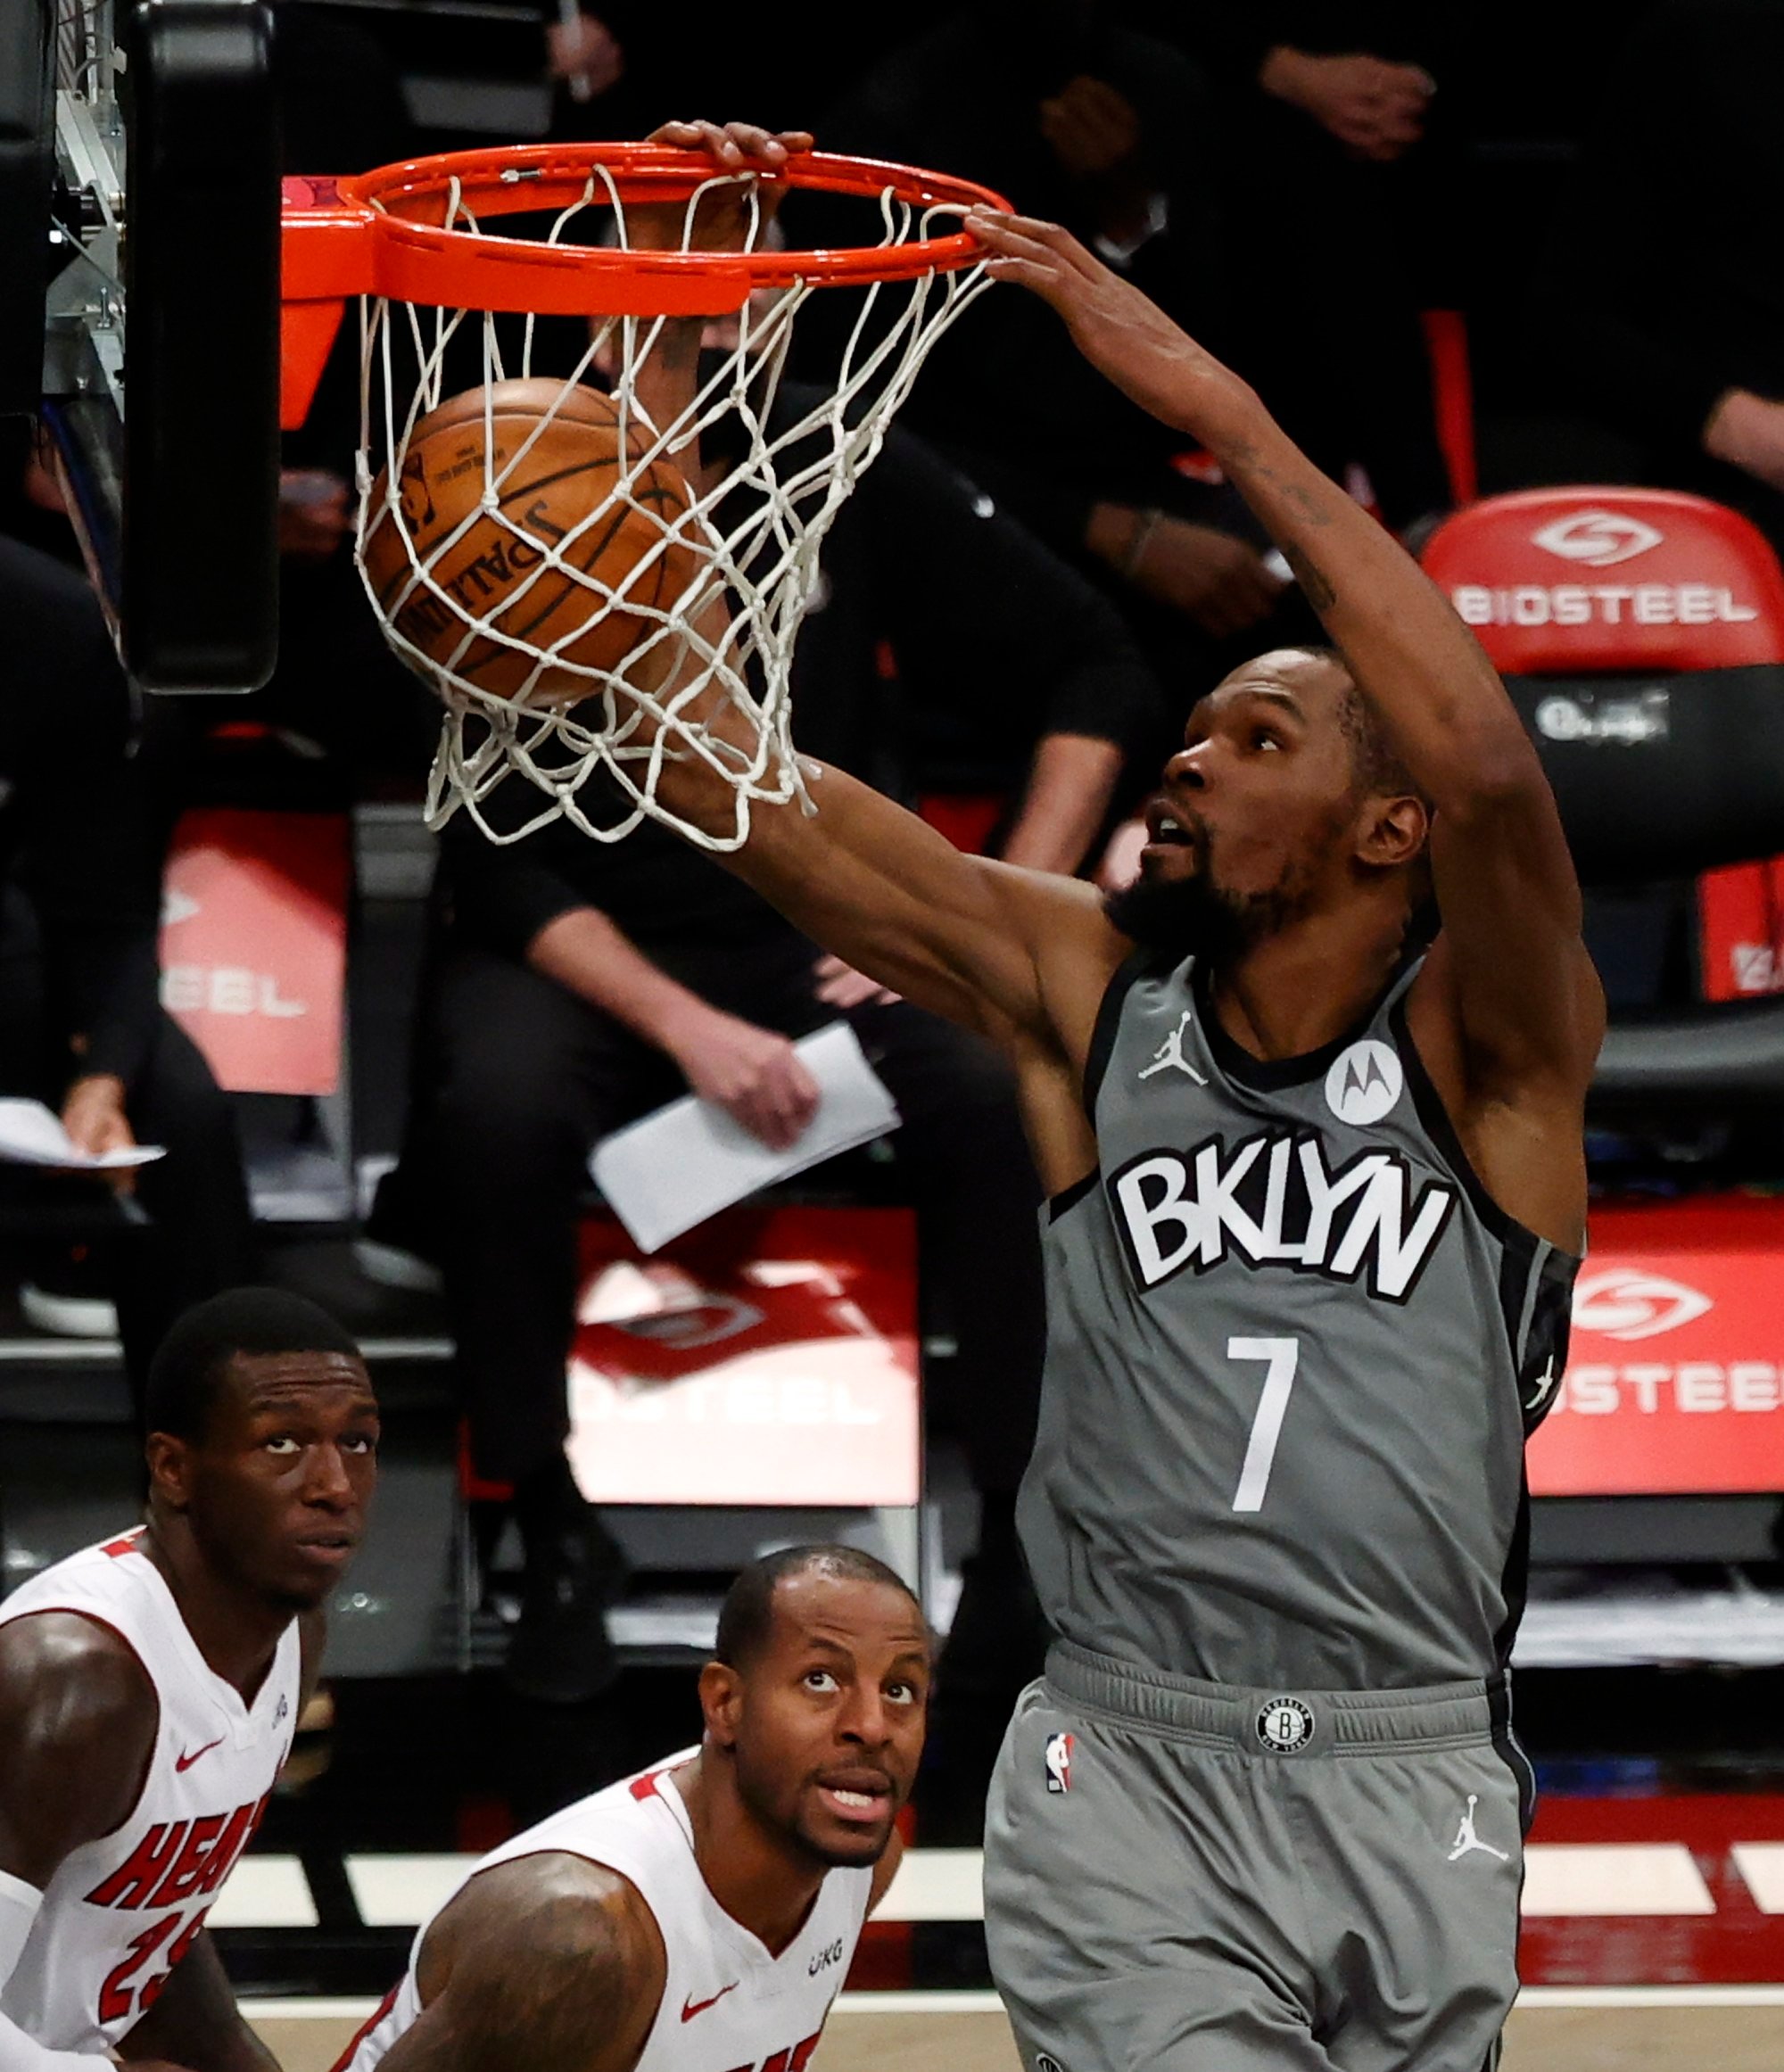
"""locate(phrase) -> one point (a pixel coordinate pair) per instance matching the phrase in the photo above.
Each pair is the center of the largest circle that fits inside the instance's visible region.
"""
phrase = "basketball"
(553, 453)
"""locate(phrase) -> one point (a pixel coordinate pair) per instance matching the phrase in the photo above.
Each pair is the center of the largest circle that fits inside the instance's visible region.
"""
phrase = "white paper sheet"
(31, 1135)
(672, 1169)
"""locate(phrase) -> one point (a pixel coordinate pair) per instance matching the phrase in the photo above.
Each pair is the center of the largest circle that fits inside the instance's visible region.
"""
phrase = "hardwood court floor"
(1541, 2039)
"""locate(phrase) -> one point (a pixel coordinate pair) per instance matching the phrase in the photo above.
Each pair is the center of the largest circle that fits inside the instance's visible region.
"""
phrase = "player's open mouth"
(1164, 830)
(861, 1799)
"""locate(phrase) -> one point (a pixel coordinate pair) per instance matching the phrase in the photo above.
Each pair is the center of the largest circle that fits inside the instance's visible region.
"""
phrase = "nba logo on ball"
(1285, 1725)
(1059, 1761)
(1363, 1083)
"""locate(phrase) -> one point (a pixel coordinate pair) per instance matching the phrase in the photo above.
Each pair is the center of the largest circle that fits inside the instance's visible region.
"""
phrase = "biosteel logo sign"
(1600, 538)
(1675, 1374)
(1627, 1303)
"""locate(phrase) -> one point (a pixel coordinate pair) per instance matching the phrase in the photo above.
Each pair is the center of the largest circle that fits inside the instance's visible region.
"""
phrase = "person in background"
(1686, 158)
(82, 1025)
(581, 984)
(1336, 159)
(1076, 117)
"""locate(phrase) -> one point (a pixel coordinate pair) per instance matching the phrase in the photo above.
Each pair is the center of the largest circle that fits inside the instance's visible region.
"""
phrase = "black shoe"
(560, 1652)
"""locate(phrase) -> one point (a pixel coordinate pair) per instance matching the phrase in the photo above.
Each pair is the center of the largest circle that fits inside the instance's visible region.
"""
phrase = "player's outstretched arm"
(1529, 1005)
(548, 1962)
(1022, 957)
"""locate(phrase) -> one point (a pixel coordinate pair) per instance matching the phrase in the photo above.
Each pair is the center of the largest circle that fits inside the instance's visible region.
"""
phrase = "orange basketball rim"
(412, 233)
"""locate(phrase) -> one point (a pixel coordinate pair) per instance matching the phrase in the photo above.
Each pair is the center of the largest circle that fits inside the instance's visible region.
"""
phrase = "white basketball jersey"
(120, 1912)
(727, 2006)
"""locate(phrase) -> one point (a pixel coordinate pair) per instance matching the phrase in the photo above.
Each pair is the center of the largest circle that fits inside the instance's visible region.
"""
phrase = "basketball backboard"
(139, 252)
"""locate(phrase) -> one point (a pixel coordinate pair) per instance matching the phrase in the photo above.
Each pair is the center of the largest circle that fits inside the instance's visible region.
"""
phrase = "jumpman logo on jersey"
(1170, 1051)
(1467, 1839)
(1545, 1381)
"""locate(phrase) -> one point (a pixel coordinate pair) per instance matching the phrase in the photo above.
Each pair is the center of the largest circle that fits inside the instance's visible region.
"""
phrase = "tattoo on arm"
(1314, 587)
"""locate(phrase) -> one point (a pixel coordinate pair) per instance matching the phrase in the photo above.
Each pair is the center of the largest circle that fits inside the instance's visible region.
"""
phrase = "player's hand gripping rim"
(1116, 327)
(723, 218)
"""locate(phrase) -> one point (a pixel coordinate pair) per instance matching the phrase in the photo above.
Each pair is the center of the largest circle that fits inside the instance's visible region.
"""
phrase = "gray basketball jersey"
(1293, 1353)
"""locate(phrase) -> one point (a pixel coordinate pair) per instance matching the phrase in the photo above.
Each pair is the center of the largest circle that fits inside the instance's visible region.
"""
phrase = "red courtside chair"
(1640, 634)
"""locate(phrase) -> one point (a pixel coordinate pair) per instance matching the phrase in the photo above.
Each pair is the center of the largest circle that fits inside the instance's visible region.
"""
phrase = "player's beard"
(1186, 917)
(762, 1800)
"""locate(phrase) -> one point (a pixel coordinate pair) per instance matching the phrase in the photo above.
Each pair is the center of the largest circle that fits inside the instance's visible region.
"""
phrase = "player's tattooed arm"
(550, 1962)
(78, 1718)
(195, 2022)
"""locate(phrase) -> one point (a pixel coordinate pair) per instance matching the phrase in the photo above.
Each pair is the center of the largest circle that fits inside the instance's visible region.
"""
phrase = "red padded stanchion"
(1565, 581)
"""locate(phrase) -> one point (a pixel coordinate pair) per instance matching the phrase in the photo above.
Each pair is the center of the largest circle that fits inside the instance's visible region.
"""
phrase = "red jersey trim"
(366, 2028)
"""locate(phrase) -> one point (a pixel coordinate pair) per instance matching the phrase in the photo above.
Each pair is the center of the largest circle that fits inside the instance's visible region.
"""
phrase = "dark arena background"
(1509, 273)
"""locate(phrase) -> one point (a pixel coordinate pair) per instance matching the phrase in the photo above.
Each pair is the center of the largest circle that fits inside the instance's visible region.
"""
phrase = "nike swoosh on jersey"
(690, 2009)
(187, 1761)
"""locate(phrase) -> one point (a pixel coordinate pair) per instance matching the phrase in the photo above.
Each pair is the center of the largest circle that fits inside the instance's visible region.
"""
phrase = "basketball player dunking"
(701, 1916)
(150, 1687)
(1318, 1193)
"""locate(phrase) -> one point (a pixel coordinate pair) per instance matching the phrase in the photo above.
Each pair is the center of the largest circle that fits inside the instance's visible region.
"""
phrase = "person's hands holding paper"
(753, 1074)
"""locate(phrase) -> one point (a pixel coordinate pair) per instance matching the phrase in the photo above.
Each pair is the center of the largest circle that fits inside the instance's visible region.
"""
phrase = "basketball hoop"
(560, 656)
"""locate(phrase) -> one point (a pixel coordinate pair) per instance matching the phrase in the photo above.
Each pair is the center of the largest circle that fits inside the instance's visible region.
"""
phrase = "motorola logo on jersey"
(1622, 1302)
(1273, 1202)
(1363, 1083)
(1600, 539)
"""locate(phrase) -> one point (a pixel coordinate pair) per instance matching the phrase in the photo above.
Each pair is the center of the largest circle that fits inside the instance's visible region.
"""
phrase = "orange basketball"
(567, 471)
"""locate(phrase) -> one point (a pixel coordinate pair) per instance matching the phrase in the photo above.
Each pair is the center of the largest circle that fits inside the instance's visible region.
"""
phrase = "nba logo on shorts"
(1059, 1761)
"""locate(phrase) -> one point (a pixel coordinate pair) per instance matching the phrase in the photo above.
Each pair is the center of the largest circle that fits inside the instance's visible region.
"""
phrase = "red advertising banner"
(1740, 913)
(254, 945)
(769, 1357)
(1675, 1376)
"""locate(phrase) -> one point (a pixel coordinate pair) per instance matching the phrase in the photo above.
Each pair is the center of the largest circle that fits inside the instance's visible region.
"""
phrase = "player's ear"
(1393, 831)
(171, 1465)
(722, 1702)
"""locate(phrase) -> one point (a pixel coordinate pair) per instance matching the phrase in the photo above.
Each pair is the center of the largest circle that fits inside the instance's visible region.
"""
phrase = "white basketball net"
(755, 536)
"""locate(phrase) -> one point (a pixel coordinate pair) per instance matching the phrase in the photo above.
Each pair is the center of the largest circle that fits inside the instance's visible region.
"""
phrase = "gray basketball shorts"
(1181, 1877)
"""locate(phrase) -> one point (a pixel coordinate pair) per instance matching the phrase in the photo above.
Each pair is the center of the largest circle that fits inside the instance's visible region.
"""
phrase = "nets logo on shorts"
(1058, 1760)
(1285, 1725)
(1044, 2063)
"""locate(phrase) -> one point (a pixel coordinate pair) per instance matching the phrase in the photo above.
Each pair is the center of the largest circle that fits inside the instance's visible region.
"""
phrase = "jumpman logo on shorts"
(1467, 1839)
(1170, 1051)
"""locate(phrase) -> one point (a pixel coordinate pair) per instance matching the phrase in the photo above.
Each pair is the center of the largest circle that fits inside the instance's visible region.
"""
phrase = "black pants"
(199, 1237)
(187, 1232)
(523, 1078)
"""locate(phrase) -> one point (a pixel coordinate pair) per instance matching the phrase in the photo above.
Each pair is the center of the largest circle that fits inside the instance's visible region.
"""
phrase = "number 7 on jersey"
(1280, 1356)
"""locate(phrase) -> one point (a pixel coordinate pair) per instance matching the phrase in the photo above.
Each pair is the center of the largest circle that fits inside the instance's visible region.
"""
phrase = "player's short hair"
(747, 1616)
(187, 1374)
(1376, 770)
